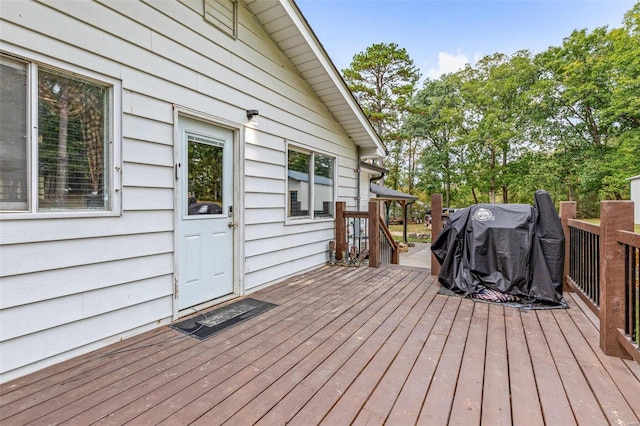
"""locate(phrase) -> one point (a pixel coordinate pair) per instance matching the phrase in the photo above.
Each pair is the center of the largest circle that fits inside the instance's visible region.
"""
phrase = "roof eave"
(343, 105)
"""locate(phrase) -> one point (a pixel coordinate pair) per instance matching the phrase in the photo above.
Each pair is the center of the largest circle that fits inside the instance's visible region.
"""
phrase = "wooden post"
(436, 227)
(404, 221)
(614, 216)
(374, 234)
(567, 211)
(341, 232)
(395, 257)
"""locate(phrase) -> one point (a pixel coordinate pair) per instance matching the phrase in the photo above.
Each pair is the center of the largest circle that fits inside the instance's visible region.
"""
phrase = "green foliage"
(298, 161)
(566, 120)
(205, 172)
(383, 79)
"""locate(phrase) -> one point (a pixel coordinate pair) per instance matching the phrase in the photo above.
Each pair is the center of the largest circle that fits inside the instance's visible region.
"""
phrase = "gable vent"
(223, 14)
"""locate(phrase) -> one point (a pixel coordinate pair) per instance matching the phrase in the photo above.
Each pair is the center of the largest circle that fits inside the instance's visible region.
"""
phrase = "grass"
(418, 228)
(421, 228)
(636, 228)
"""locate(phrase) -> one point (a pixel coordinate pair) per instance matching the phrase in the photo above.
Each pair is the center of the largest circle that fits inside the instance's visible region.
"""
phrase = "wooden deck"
(348, 346)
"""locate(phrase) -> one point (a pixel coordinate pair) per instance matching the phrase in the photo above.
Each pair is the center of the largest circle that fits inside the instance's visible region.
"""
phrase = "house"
(634, 183)
(118, 115)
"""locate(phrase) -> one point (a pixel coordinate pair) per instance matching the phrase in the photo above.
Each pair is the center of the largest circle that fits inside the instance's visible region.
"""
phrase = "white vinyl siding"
(165, 55)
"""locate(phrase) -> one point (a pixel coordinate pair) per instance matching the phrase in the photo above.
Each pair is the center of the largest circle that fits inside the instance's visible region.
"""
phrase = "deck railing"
(631, 244)
(362, 234)
(584, 261)
(388, 248)
(603, 267)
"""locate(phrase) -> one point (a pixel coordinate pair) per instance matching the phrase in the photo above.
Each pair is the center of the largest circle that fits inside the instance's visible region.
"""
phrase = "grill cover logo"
(483, 215)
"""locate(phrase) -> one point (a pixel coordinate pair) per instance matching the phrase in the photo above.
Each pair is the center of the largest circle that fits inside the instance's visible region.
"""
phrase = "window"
(322, 186)
(66, 165)
(13, 139)
(310, 179)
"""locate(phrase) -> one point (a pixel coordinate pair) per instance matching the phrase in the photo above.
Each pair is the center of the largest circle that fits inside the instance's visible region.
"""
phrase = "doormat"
(520, 305)
(211, 322)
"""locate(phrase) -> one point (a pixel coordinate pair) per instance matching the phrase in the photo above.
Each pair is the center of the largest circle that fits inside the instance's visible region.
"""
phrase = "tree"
(383, 78)
(496, 96)
(436, 117)
(590, 99)
(566, 120)
(623, 111)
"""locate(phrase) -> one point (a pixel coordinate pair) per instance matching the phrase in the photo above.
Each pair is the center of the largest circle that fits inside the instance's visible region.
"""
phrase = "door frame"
(237, 200)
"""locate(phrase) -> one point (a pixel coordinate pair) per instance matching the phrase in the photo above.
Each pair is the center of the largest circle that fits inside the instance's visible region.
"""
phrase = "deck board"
(467, 404)
(363, 346)
(553, 399)
(496, 409)
(624, 374)
(583, 402)
(524, 408)
(437, 404)
(411, 399)
(379, 405)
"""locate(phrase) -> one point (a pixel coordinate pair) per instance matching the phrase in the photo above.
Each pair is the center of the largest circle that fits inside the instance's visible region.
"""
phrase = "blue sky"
(442, 35)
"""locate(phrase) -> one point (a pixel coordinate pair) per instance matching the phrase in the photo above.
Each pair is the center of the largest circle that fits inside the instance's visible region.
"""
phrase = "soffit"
(285, 24)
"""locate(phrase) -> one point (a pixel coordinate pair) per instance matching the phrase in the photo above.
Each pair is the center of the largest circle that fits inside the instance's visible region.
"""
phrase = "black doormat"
(520, 305)
(211, 322)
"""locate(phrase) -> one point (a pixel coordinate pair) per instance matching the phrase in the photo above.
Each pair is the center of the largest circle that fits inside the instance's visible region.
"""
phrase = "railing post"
(374, 234)
(395, 257)
(341, 236)
(436, 227)
(614, 216)
(404, 221)
(568, 211)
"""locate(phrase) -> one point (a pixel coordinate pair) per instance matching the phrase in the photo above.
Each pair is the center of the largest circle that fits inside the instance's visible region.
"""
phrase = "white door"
(205, 221)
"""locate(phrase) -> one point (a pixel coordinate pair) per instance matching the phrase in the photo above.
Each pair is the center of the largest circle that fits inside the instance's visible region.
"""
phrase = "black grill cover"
(512, 248)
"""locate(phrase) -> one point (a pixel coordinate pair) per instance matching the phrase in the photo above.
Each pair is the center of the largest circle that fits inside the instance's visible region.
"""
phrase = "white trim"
(237, 199)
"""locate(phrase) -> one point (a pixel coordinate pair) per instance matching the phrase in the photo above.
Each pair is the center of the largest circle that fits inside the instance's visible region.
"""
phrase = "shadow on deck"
(348, 346)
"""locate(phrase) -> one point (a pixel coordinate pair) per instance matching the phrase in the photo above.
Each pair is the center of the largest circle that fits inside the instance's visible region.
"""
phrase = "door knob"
(231, 224)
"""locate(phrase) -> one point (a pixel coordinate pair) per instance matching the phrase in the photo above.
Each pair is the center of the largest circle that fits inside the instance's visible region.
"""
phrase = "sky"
(442, 36)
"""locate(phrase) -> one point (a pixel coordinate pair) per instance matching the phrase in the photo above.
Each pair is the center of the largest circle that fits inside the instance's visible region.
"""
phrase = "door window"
(204, 176)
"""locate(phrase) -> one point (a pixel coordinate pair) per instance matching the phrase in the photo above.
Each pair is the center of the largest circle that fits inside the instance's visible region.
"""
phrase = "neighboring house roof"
(383, 193)
(634, 177)
(288, 28)
(304, 177)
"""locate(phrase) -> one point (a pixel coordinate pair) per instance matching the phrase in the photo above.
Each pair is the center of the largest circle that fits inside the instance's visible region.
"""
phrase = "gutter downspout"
(358, 171)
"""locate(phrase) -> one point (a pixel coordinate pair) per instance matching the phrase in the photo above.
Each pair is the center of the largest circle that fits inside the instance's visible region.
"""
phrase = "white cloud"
(448, 63)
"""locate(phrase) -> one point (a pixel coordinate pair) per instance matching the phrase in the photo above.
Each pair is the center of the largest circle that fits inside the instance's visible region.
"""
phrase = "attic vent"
(223, 14)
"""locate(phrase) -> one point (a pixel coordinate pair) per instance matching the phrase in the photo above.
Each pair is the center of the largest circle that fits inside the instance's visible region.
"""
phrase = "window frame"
(113, 158)
(311, 217)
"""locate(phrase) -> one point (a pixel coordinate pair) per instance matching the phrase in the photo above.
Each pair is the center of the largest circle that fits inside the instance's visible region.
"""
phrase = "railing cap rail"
(629, 238)
(593, 228)
(354, 214)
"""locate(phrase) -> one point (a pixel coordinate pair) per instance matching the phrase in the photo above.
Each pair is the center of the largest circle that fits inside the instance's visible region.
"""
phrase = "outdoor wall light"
(252, 113)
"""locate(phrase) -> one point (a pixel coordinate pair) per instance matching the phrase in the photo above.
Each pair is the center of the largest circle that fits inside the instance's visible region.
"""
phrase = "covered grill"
(511, 249)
